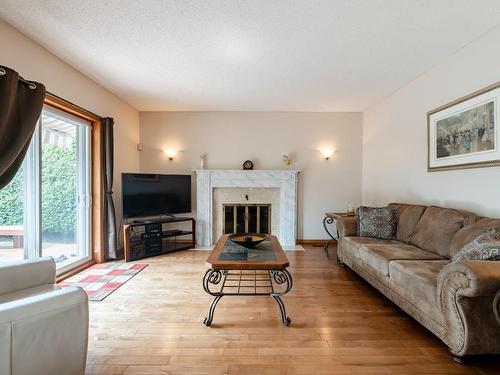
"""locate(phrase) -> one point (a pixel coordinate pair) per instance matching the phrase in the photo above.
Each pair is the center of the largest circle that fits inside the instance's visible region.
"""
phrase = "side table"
(329, 219)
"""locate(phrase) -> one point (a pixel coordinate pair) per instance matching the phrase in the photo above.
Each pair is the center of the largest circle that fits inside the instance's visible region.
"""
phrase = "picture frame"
(466, 132)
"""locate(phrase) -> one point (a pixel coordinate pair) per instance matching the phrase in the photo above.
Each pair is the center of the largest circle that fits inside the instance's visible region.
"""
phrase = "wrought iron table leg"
(213, 277)
(328, 220)
(284, 318)
(282, 277)
(211, 311)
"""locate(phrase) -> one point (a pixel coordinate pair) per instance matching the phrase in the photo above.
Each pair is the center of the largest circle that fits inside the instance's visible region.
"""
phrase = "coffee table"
(236, 270)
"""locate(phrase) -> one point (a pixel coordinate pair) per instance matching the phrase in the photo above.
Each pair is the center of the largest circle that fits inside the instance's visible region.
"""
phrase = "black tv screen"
(145, 194)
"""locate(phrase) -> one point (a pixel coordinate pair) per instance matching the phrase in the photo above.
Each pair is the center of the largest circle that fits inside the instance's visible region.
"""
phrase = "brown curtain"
(21, 104)
(111, 243)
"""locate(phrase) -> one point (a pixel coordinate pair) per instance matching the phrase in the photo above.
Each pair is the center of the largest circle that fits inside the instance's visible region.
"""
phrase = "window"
(46, 209)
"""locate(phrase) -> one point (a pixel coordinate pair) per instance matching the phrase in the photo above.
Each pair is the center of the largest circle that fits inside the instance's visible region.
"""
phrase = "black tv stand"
(147, 238)
(157, 220)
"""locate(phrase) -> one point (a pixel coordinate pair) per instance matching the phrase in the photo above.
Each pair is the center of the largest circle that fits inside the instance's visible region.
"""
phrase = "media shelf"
(143, 239)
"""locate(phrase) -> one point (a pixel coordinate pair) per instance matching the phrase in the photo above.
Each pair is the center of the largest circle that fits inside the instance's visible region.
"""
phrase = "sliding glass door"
(49, 200)
(65, 187)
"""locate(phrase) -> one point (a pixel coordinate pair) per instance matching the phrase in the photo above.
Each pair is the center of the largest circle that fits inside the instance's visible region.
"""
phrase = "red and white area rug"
(100, 280)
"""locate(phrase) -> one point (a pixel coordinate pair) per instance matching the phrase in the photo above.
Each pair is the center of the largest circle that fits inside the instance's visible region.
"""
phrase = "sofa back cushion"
(408, 217)
(469, 233)
(436, 229)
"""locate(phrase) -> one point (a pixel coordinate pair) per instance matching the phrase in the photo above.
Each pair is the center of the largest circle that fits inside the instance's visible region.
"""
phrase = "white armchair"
(43, 328)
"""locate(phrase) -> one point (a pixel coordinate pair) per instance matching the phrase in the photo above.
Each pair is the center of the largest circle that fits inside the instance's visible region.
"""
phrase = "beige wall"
(395, 136)
(229, 138)
(34, 62)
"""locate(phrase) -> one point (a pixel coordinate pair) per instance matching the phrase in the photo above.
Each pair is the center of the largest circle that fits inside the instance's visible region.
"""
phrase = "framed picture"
(465, 133)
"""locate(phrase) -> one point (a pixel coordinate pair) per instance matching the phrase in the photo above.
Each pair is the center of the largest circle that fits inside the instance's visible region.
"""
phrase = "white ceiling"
(269, 55)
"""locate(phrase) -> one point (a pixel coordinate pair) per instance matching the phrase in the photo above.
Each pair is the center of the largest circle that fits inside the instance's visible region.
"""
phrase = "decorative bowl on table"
(249, 240)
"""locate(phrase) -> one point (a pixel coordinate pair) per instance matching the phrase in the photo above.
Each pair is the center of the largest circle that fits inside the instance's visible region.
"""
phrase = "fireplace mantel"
(285, 180)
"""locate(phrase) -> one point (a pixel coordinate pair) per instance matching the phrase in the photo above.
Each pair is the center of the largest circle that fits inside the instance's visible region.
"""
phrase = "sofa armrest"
(496, 307)
(466, 293)
(45, 334)
(472, 278)
(27, 274)
(347, 226)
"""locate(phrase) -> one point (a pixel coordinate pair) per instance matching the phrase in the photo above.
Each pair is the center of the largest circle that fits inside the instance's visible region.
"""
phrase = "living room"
(231, 187)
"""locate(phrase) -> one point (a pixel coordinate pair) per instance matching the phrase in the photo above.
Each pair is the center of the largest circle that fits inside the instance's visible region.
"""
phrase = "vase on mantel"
(202, 161)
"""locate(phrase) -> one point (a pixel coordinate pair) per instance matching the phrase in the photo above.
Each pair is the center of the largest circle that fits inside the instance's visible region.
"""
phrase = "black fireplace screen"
(247, 218)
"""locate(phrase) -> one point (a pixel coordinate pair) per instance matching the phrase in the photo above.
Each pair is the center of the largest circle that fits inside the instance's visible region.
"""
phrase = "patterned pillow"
(377, 222)
(484, 247)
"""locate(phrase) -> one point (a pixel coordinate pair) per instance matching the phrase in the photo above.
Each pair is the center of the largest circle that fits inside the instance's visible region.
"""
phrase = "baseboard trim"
(311, 242)
(300, 241)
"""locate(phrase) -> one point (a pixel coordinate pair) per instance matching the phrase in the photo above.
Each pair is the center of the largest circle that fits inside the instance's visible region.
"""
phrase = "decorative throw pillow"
(377, 222)
(484, 247)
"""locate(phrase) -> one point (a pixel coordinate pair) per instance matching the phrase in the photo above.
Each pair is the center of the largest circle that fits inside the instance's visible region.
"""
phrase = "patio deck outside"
(9, 253)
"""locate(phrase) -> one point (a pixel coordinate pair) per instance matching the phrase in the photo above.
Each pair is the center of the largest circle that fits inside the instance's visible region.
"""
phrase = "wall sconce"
(170, 153)
(327, 153)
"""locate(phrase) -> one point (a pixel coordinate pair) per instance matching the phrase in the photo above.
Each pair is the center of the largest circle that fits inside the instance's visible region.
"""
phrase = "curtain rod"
(32, 86)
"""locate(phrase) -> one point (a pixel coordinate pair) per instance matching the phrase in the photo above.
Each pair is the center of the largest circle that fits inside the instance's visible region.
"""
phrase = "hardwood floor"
(340, 325)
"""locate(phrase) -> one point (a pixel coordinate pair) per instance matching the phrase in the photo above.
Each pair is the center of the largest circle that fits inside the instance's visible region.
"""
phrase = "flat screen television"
(145, 194)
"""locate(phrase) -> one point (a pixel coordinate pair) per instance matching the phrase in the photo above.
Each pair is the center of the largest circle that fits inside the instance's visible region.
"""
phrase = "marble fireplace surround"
(284, 180)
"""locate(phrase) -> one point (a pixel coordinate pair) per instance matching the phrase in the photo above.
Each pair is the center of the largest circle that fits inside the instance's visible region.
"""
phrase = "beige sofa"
(43, 328)
(452, 300)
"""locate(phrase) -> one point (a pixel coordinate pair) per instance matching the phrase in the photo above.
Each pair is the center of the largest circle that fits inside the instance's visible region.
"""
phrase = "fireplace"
(274, 188)
(247, 218)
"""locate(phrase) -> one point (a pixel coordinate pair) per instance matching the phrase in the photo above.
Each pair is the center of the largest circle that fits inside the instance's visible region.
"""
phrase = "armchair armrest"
(40, 304)
(27, 274)
(347, 226)
(45, 334)
(467, 291)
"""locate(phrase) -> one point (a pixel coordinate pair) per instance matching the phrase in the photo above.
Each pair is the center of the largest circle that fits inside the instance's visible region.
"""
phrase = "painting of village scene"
(467, 132)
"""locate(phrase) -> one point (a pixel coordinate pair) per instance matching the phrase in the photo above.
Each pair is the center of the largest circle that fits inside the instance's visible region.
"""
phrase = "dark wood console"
(157, 237)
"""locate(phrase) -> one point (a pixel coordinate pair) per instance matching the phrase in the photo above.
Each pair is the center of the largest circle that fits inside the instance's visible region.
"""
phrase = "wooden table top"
(336, 215)
(268, 255)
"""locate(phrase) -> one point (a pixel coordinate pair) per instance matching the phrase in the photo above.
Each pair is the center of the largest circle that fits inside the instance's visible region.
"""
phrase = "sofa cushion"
(436, 228)
(377, 222)
(408, 218)
(470, 232)
(378, 256)
(419, 277)
(353, 244)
